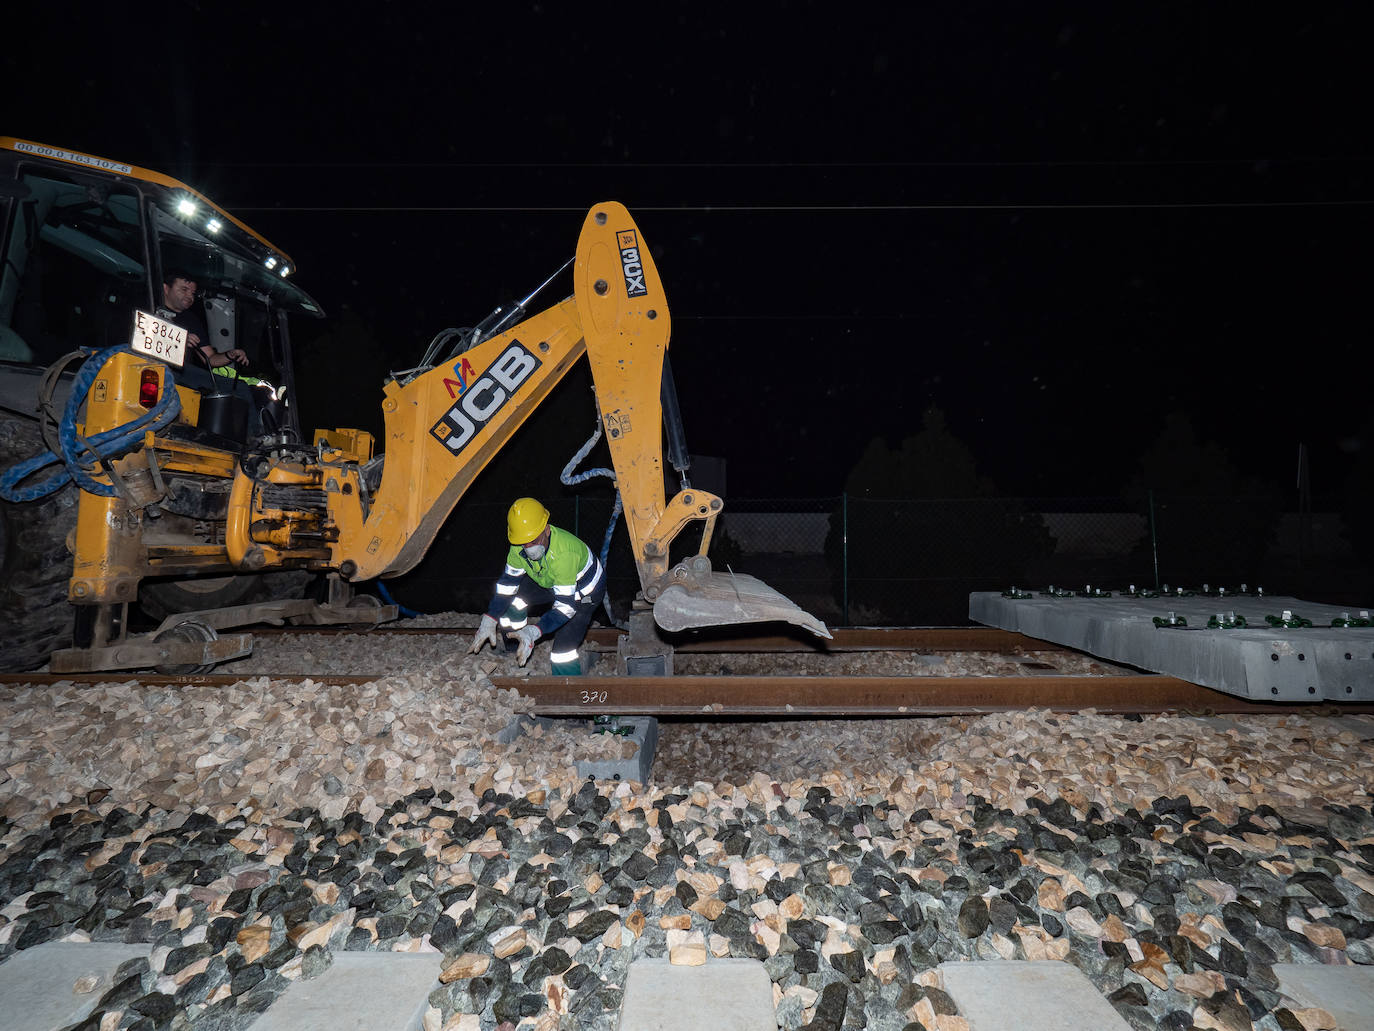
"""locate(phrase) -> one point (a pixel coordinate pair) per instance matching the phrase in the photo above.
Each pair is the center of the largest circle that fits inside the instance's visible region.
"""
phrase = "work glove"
(525, 638)
(486, 632)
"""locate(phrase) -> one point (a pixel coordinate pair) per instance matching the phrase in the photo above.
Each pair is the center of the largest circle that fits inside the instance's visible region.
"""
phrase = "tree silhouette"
(1210, 524)
(924, 529)
(1357, 502)
(930, 464)
(1177, 462)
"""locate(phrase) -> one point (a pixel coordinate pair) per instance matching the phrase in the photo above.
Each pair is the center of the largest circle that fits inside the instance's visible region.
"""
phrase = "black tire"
(35, 565)
(162, 598)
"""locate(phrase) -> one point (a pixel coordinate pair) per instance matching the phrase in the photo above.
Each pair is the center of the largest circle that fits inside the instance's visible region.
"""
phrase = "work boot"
(575, 664)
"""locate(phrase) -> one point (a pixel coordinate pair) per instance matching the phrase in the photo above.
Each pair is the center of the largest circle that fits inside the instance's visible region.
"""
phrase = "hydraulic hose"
(672, 425)
(79, 455)
(569, 479)
(386, 597)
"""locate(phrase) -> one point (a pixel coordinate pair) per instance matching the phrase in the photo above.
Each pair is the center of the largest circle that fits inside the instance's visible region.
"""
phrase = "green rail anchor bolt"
(1226, 621)
(1289, 620)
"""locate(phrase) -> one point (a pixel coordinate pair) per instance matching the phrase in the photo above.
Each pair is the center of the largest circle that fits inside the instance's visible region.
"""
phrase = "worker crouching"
(550, 567)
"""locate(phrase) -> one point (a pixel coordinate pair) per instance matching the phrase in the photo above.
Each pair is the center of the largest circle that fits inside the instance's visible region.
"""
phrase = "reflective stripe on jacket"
(569, 569)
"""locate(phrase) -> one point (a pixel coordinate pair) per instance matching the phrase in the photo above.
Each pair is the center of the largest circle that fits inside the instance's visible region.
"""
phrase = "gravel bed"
(252, 832)
(375, 650)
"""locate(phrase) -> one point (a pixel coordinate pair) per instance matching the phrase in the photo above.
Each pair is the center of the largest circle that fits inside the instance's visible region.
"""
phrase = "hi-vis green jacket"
(569, 569)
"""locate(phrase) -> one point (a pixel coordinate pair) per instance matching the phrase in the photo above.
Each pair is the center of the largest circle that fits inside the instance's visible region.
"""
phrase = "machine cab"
(85, 244)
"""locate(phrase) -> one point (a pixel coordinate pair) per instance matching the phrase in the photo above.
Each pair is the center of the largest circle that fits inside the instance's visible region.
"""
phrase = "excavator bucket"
(699, 598)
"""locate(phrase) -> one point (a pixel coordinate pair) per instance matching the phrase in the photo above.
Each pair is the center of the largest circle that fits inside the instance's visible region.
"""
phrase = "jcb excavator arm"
(444, 426)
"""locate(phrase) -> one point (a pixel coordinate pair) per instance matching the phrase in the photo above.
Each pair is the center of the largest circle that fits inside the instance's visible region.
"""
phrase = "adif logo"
(630, 263)
(484, 397)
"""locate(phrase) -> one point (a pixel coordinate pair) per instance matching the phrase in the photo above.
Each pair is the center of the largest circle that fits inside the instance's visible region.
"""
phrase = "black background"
(1057, 224)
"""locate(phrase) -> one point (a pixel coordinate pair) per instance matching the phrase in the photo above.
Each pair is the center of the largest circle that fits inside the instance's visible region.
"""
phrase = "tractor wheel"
(159, 599)
(162, 598)
(35, 565)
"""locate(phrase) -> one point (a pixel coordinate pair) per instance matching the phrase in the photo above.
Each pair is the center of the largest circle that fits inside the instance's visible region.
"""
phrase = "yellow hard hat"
(526, 520)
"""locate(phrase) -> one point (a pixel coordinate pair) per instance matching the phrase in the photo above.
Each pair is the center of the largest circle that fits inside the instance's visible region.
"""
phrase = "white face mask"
(534, 552)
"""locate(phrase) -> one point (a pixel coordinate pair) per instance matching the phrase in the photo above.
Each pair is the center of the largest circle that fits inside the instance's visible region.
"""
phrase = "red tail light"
(148, 388)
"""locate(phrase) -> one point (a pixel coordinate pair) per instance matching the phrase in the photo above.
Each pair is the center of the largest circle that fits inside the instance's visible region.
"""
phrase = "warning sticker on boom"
(630, 263)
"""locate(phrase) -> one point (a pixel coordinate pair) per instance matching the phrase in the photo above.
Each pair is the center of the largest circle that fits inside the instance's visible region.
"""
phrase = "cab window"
(73, 269)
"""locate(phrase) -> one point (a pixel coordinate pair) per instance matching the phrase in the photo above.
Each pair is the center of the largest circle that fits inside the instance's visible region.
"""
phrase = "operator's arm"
(219, 359)
(501, 601)
(506, 588)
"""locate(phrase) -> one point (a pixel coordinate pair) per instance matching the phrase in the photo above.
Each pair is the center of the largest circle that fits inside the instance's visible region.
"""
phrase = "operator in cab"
(178, 299)
(549, 567)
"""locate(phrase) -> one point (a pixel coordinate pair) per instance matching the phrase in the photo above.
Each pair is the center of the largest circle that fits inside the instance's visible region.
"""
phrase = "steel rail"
(847, 639)
(706, 699)
(709, 697)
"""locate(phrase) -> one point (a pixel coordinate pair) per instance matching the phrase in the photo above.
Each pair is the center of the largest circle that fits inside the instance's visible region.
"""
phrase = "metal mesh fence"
(913, 562)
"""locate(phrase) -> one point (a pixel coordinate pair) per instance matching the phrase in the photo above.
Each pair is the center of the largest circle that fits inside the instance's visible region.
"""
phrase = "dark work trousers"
(566, 639)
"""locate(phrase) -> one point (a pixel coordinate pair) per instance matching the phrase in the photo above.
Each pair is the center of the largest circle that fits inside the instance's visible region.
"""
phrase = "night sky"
(1058, 226)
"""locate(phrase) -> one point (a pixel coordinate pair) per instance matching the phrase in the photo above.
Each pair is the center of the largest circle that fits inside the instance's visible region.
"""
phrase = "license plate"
(159, 338)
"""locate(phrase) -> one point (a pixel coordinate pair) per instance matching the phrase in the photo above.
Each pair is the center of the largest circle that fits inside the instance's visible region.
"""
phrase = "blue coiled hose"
(78, 457)
(570, 479)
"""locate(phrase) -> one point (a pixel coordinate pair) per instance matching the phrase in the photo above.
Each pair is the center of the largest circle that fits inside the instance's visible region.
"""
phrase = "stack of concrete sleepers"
(1331, 659)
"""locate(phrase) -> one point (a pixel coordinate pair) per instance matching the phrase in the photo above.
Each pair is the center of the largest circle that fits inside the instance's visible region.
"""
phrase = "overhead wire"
(470, 209)
(692, 165)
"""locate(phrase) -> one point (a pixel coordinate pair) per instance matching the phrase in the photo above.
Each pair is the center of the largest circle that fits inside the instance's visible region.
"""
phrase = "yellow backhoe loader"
(179, 480)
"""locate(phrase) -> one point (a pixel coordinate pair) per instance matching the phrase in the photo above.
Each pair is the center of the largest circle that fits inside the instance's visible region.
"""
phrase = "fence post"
(844, 557)
(1154, 537)
(1304, 510)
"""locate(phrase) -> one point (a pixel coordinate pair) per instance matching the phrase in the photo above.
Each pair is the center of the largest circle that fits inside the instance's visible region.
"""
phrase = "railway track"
(717, 697)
